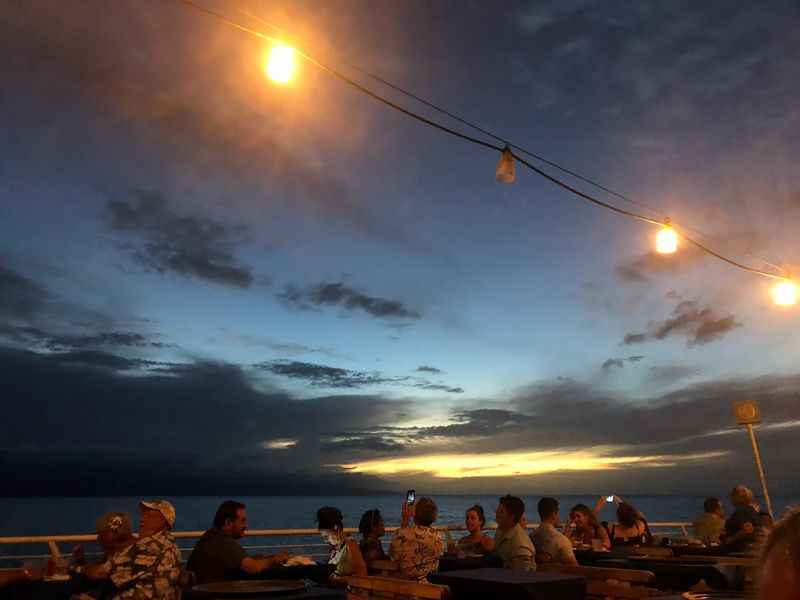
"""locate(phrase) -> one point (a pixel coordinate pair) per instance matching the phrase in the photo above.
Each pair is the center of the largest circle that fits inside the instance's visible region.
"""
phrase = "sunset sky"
(210, 280)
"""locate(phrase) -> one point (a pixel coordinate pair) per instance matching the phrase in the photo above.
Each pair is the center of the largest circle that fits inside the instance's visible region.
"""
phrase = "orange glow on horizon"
(509, 464)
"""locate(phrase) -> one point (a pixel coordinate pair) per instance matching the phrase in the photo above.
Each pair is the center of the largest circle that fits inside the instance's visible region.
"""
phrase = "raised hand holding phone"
(408, 508)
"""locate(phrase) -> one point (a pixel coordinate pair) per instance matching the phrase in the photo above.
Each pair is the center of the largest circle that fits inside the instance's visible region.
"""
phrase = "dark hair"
(547, 507)
(425, 512)
(711, 505)
(587, 512)
(627, 515)
(329, 517)
(514, 506)
(477, 508)
(368, 521)
(227, 512)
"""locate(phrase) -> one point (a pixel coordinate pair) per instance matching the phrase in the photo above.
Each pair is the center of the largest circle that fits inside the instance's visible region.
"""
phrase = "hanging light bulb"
(785, 293)
(505, 171)
(280, 64)
(666, 239)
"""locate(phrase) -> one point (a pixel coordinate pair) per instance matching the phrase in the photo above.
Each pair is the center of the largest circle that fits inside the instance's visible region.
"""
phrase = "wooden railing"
(53, 541)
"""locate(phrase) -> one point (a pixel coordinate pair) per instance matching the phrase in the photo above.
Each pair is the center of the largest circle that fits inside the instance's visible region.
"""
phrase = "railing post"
(54, 551)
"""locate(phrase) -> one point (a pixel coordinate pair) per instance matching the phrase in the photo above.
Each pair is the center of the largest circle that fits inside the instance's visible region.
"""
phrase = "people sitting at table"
(217, 555)
(741, 528)
(114, 536)
(475, 542)
(511, 542)
(583, 527)
(710, 525)
(372, 529)
(417, 549)
(779, 564)
(150, 568)
(631, 527)
(343, 551)
(551, 545)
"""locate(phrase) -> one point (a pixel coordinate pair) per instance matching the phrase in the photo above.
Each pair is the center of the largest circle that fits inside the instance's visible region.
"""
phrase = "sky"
(210, 282)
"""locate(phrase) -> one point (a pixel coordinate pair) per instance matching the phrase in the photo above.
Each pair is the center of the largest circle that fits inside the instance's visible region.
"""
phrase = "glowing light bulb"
(280, 65)
(666, 240)
(785, 293)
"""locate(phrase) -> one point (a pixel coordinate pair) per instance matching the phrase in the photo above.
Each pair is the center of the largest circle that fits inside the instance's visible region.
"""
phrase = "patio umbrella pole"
(760, 468)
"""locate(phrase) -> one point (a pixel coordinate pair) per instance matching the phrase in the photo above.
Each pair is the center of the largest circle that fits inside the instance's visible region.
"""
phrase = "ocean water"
(42, 516)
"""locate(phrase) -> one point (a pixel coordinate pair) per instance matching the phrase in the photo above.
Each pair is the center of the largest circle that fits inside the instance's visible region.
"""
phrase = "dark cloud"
(186, 245)
(205, 422)
(369, 445)
(478, 422)
(699, 325)
(619, 362)
(339, 294)
(634, 338)
(653, 265)
(20, 297)
(427, 369)
(438, 387)
(326, 376)
(663, 375)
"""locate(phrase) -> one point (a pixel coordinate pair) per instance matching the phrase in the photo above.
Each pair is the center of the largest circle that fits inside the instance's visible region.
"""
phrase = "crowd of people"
(148, 566)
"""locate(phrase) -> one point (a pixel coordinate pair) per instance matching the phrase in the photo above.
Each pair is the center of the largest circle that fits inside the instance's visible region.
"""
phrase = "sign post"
(747, 414)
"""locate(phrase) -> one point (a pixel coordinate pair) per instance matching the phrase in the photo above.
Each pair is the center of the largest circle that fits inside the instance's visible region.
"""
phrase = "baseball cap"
(162, 506)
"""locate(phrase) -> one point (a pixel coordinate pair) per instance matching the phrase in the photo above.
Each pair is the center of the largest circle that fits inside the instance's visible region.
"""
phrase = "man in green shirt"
(710, 525)
(512, 543)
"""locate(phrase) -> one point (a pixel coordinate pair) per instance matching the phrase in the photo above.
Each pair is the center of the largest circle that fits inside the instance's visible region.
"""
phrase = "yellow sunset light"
(514, 463)
(666, 240)
(281, 64)
(785, 293)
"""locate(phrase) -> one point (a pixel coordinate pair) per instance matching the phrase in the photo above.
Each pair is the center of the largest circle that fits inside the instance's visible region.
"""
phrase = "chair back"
(382, 567)
(361, 588)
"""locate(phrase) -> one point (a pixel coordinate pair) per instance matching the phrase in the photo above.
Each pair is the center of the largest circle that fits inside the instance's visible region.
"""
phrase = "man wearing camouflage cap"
(149, 569)
(114, 535)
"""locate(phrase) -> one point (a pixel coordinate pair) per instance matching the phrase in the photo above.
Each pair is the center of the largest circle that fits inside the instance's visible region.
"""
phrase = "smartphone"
(609, 498)
(411, 495)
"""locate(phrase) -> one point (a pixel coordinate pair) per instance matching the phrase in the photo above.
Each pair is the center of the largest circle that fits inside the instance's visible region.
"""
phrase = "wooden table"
(672, 573)
(479, 584)
(453, 563)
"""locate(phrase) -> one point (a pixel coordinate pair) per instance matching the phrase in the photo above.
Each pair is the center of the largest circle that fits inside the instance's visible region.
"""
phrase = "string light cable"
(463, 121)
(665, 222)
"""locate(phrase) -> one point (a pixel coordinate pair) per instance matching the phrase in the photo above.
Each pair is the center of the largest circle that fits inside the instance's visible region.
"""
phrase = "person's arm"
(522, 562)
(96, 571)
(487, 543)
(406, 513)
(746, 530)
(357, 559)
(253, 566)
(567, 556)
(604, 536)
(601, 502)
